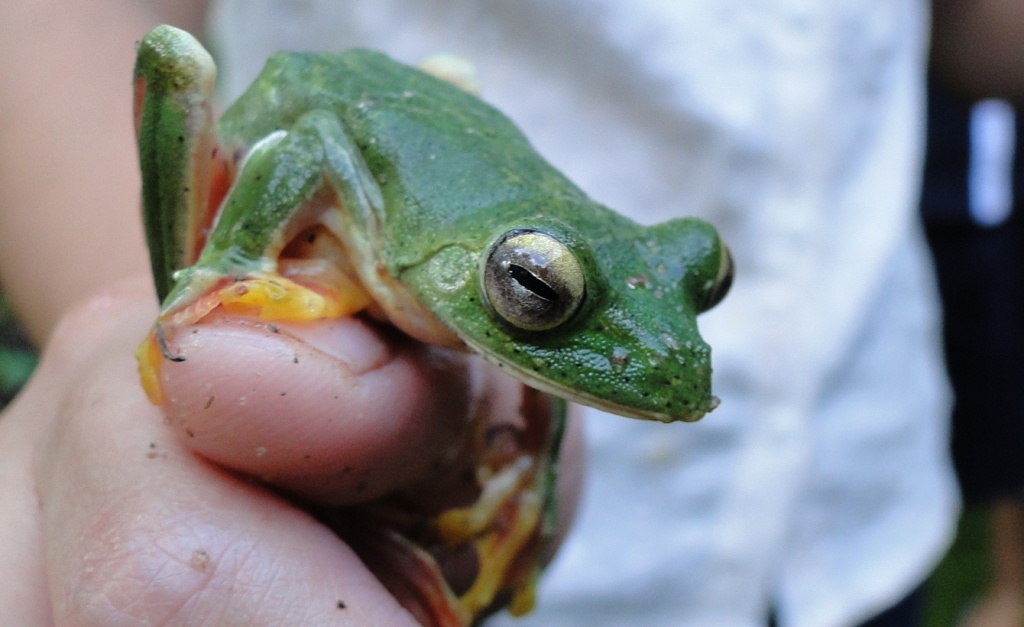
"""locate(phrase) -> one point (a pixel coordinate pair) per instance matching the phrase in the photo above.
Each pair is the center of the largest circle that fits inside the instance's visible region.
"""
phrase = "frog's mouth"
(543, 384)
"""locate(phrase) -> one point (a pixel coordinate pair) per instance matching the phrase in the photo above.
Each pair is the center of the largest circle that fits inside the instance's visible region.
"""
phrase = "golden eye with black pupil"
(726, 271)
(532, 280)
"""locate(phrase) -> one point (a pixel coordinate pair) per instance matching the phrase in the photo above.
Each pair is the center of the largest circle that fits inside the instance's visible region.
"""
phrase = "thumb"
(338, 411)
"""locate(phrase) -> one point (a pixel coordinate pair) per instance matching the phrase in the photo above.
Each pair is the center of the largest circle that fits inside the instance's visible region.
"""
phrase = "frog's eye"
(720, 287)
(532, 280)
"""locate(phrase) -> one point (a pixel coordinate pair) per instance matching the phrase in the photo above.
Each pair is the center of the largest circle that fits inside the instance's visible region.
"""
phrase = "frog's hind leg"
(184, 176)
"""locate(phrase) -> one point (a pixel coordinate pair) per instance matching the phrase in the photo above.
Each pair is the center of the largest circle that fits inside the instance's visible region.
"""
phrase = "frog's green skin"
(428, 177)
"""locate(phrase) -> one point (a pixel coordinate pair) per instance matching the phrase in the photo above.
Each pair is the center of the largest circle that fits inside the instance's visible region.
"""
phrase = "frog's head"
(602, 311)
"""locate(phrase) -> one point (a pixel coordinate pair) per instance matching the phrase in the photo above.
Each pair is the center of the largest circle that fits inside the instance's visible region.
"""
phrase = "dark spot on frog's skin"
(209, 402)
(272, 328)
(341, 604)
(181, 139)
(189, 432)
(361, 486)
(284, 393)
(346, 470)
(307, 457)
(259, 177)
(311, 238)
(295, 359)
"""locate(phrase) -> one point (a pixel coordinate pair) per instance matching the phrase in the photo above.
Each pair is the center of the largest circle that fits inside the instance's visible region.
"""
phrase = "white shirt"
(821, 485)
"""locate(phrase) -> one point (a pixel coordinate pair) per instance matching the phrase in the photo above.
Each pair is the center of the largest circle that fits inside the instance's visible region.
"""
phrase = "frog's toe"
(279, 298)
(265, 296)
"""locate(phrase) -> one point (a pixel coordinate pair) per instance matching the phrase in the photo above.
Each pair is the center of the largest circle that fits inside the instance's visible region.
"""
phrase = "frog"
(348, 183)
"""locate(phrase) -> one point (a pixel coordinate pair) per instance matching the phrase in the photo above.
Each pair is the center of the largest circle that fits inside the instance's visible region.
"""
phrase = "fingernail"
(351, 341)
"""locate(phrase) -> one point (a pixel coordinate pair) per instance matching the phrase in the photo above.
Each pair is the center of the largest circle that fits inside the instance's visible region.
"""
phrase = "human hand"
(113, 514)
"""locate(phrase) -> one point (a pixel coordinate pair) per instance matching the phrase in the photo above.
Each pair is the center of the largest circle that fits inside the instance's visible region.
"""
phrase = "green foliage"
(17, 358)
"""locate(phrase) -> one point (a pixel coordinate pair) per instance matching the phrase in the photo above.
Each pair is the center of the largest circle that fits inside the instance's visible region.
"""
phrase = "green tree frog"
(341, 183)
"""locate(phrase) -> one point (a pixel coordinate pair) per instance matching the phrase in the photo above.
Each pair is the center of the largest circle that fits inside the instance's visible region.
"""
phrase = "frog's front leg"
(270, 253)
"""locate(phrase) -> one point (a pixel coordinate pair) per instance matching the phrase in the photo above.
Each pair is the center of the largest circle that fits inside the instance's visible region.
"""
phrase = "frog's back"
(384, 104)
(350, 83)
(438, 152)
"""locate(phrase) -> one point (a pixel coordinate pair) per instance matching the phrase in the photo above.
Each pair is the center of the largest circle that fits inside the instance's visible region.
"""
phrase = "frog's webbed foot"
(501, 525)
(452, 69)
(505, 532)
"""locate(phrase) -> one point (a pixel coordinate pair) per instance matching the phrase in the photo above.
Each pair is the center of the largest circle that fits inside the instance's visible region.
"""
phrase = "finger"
(24, 598)
(337, 411)
(137, 531)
